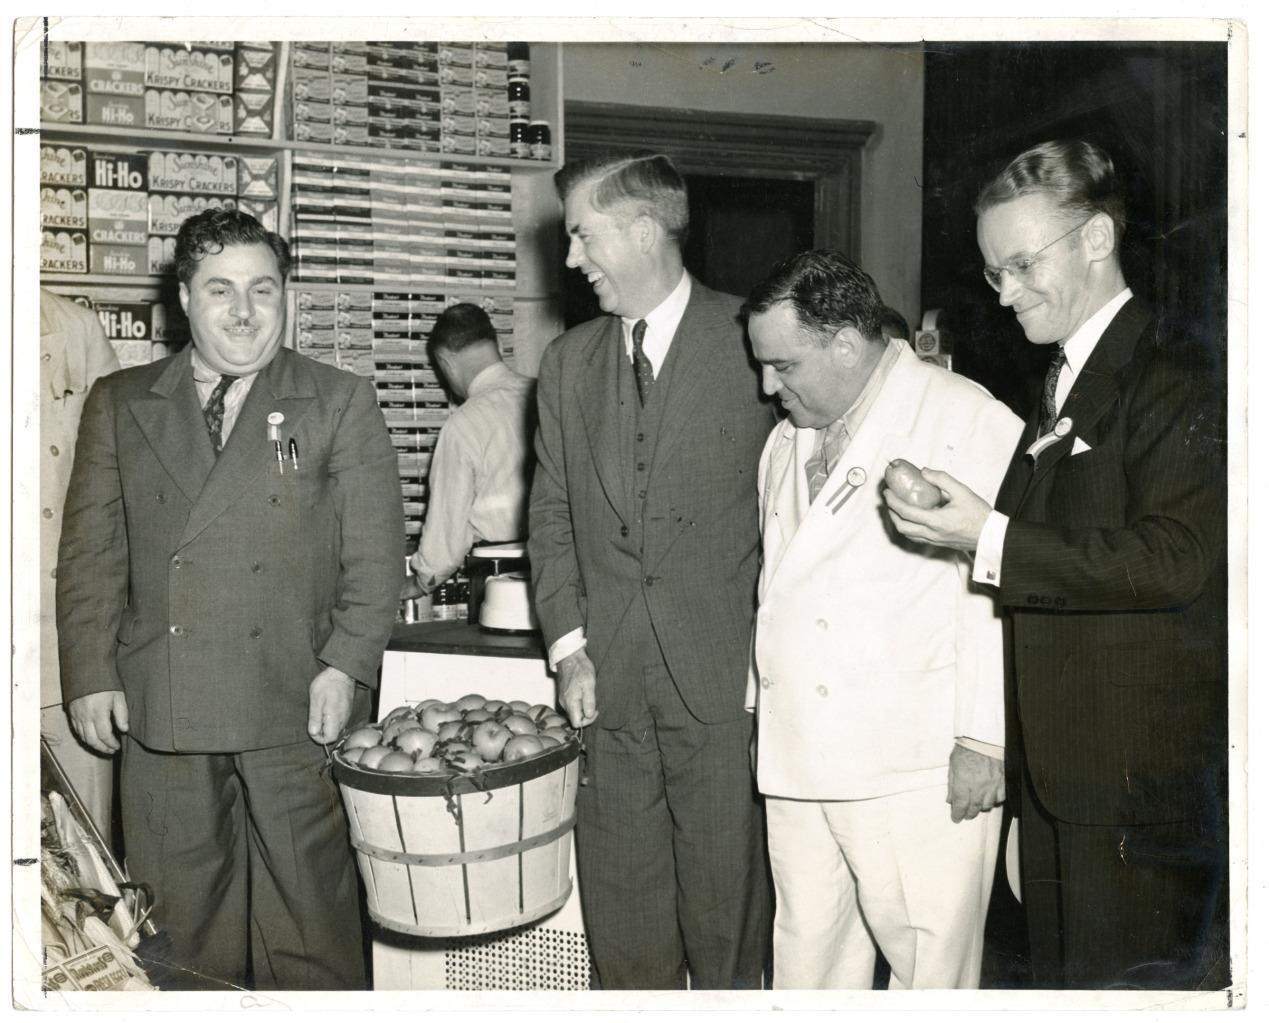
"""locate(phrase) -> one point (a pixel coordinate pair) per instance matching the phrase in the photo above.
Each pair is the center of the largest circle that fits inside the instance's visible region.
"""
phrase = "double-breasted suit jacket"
(1114, 581)
(690, 546)
(213, 590)
(873, 654)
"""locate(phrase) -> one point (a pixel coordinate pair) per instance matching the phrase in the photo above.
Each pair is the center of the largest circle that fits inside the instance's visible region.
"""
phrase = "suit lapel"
(692, 347)
(171, 420)
(280, 387)
(598, 395)
(779, 501)
(1095, 389)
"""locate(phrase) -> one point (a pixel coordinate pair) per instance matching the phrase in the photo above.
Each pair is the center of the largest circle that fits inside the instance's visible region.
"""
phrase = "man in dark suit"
(643, 539)
(1107, 551)
(226, 607)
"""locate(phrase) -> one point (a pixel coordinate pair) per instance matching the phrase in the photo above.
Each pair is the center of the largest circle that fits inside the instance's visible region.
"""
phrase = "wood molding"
(705, 142)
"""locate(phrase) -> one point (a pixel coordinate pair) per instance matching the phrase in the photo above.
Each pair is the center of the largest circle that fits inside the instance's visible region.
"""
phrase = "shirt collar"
(486, 378)
(663, 321)
(203, 373)
(1079, 346)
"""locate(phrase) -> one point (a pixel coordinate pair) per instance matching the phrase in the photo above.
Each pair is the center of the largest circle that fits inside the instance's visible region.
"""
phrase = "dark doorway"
(739, 228)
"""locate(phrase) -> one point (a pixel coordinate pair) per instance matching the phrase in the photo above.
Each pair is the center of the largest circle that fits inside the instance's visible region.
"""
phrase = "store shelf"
(124, 139)
(111, 280)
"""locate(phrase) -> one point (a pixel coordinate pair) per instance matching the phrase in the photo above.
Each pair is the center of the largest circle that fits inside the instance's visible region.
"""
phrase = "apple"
(395, 728)
(417, 741)
(494, 706)
(906, 481)
(434, 717)
(428, 765)
(538, 711)
(558, 734)
(351, 756)
(471, 701)
(519, 706)
(396, 762)
(521, 746)
(367, 735)
(405, 710)
(521, 725)
(423, 705)
(372, 755)
(452, 730)
(449, 747)
(548, 741)
(475, 717)
(489, 738)
(553, 720)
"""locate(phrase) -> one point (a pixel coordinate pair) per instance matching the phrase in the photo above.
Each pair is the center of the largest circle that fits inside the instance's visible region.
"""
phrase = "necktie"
(1048, 405)
(821, 464)
(214, 411)
(642, 364)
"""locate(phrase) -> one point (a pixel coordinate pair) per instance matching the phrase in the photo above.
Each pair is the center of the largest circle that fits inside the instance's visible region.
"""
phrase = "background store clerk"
(478, 486)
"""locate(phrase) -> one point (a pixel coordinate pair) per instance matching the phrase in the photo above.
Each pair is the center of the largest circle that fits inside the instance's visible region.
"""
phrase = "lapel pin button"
(856, 477)
(275, 419)
(1062, 427)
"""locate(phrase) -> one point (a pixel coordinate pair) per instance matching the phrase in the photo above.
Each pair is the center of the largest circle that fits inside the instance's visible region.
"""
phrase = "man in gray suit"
(643, 539)
(228, 574)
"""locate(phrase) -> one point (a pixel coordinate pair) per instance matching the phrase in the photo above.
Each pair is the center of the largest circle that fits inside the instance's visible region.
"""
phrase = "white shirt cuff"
(987, 749)
(991, 549)
(569, 643)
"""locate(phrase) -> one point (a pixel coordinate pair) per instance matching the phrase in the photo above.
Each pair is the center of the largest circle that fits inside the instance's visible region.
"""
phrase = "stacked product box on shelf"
(128, 207)
(139, 325)
(208, 88)
(423, 96)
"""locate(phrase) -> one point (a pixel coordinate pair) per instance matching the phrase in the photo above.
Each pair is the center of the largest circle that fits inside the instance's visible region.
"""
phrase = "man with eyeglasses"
(1107, 553)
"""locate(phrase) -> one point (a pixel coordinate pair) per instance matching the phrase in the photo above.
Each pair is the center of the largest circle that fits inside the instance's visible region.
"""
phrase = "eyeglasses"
(1021, 268)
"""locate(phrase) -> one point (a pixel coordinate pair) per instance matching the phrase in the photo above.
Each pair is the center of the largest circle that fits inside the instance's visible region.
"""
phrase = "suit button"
(647, 580)
(639, 437)
(766, 682)
(177, 630)
(46, 357)
(821, 624)
(643, 495)
(255, 566)
(53, 574)
(625, 530)
(254, 633)
(274, 500)
(161, 497)
(47, 513)
(53, 450)
(821, 690)
(176, 561)
(641, 466)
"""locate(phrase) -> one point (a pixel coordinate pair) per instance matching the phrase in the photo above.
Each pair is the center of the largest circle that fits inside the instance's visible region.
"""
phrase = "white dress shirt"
(662, 323)
(1078, 347)
(476, 485)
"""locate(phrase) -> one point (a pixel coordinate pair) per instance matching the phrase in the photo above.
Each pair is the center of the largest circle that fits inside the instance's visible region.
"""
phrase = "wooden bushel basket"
(442, 857)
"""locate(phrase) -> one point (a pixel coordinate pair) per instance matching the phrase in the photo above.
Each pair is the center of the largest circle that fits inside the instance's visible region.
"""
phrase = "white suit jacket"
(872, 654)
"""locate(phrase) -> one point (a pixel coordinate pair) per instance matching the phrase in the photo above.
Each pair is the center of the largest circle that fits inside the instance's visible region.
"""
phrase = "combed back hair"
(1078, 176)
(645, 184)
(461, 326)
(893, 324)
(827, 292)
(207, 234)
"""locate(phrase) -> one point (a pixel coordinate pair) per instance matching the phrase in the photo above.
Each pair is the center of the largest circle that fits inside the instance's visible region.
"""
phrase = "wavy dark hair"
(827, 292)
(209, 232)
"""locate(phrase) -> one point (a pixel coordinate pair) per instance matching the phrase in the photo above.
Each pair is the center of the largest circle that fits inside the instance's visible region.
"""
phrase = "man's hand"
(330, 697)
(956, 523)
(975, 783)
(91, 717)
(575, 687)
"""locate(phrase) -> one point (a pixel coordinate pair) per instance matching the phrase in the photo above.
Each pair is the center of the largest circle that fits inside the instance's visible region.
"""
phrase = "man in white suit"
(878, 672)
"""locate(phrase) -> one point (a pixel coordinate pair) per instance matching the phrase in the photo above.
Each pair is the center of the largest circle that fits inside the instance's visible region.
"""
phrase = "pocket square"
(1079, 447)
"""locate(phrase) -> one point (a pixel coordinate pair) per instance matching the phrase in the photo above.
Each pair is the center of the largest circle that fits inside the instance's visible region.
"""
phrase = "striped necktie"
(821, 464)
(214, 411)
(642, 364)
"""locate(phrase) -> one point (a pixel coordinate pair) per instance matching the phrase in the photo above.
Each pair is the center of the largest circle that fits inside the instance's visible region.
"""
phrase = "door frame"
(708, 142)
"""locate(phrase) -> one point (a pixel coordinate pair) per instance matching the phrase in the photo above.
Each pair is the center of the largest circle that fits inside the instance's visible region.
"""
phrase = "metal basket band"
(496, 852)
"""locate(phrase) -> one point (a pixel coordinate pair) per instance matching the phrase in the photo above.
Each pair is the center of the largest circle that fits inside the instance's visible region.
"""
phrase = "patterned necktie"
(1048, 407)
(821, 464)
(214, 411)
(642, 364)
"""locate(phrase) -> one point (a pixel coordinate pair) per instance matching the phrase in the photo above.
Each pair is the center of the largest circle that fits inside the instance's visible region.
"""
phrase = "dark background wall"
(1159, 109)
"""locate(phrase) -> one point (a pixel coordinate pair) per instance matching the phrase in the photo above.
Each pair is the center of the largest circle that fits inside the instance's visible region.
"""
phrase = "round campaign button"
(1062, 427)
(856, 477)
(275, 419)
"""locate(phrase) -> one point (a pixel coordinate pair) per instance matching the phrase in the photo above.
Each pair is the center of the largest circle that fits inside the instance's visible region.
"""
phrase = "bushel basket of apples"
(461, 813)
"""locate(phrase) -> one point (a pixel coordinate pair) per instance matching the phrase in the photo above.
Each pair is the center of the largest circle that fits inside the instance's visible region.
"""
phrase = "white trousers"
(894, 869)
